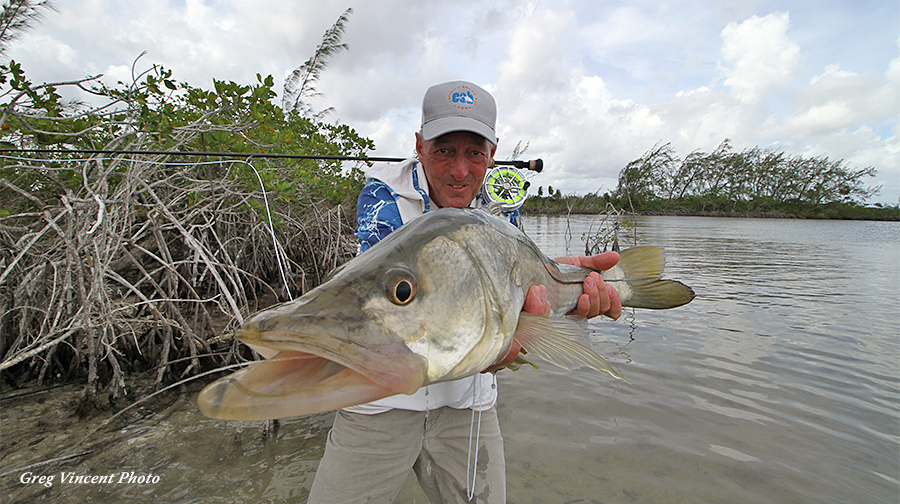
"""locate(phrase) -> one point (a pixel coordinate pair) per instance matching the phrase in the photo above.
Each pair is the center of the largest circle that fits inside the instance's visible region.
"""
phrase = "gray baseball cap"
(458, 106)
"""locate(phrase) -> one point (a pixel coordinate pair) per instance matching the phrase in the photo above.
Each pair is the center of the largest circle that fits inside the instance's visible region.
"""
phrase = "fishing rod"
(504, 183)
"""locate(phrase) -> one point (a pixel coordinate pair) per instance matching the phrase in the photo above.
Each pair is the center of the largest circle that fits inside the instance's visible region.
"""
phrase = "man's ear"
(420, 146)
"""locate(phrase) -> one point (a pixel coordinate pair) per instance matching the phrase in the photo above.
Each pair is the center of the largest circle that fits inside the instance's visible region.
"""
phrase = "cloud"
(586, 133)
(589, 85)
(837, 99)
(846, 115)
(759, 56)
(49, 48)
(567, 115)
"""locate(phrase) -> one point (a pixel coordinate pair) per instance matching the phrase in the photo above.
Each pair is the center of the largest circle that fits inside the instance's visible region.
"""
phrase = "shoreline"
(885, 217)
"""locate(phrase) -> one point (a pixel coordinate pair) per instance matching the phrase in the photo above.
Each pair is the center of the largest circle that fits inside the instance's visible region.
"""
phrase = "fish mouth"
(304, 379)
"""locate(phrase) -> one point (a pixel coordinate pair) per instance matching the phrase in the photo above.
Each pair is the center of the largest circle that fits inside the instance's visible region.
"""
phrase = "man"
(371, 448)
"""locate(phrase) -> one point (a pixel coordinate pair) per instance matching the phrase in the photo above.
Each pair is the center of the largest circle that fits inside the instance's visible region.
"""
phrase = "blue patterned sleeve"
(515, 218)
(377, 214)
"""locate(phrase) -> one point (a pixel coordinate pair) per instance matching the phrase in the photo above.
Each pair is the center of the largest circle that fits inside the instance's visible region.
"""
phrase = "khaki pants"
(368, 457)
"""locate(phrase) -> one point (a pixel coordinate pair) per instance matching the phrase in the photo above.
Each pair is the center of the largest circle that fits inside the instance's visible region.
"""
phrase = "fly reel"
(505, 183)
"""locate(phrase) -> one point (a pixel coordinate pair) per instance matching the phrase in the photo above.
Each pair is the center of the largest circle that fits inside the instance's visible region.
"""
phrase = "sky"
(588, 85)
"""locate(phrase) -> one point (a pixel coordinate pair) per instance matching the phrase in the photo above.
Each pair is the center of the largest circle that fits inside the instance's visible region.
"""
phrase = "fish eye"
(401, 289)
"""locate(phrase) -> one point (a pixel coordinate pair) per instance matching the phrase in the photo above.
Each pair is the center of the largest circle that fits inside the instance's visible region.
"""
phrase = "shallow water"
(779, 383)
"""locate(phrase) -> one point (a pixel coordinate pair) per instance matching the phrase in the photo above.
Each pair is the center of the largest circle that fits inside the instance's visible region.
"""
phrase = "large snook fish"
(438, 299)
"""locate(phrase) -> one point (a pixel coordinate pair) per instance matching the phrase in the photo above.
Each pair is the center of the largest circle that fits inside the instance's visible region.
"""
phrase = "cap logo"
(462, 98)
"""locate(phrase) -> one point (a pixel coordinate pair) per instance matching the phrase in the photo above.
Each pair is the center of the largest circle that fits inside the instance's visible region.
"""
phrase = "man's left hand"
(598, 298)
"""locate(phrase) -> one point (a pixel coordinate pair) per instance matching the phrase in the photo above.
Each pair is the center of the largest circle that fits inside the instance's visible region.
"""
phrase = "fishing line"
(470, 485)
(278, 257)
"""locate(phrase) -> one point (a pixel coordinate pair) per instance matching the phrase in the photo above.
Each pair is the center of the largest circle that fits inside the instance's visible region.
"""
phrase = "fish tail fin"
(637, 280)
(560, 341)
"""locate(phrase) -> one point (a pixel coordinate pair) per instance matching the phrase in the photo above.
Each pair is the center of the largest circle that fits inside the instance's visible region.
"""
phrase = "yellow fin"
(637, 280)
(643, 263)
(520, 361)
(560, 341)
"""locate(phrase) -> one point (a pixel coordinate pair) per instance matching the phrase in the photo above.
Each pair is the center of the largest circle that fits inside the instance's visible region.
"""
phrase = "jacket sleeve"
(376, 214)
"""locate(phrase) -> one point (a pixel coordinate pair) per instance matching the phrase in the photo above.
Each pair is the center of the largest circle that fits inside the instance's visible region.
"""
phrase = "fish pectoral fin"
(520, 361)
(560, 341)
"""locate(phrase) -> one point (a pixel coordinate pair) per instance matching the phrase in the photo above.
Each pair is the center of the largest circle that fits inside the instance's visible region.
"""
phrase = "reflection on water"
(779, 383)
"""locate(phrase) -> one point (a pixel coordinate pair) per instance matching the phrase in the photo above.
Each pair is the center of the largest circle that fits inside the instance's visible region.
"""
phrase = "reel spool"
(506, 184)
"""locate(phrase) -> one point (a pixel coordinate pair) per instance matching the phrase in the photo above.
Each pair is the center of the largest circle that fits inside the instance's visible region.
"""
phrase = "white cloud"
(116, 73)
(535, 58)
(49, 48)
(759, 55)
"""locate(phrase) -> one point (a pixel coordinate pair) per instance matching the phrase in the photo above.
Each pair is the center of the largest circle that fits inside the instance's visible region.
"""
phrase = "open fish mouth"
(313, 380)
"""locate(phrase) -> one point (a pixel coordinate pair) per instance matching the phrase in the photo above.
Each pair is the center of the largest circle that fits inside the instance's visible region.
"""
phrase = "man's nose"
(459, 167)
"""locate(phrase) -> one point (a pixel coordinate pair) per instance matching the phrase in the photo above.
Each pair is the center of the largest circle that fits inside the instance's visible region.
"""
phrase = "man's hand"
(598, 298)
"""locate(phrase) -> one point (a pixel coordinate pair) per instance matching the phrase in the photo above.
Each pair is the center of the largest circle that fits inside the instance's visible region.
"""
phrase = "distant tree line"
(756, 181)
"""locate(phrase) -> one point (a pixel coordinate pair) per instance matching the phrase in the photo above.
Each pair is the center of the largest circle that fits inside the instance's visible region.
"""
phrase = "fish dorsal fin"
(560, 341)
(643, 263)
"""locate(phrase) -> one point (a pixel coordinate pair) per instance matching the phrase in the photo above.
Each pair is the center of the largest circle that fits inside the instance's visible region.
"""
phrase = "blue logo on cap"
(462, 98)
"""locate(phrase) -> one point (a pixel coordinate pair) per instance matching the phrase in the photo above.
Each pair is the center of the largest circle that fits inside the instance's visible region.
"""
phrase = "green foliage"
(556, 203)
(754, 173)
(174, 234)
(753, 182)
(158, 113)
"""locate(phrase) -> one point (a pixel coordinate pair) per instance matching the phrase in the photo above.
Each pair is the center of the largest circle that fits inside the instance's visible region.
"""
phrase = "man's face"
(455, 165)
